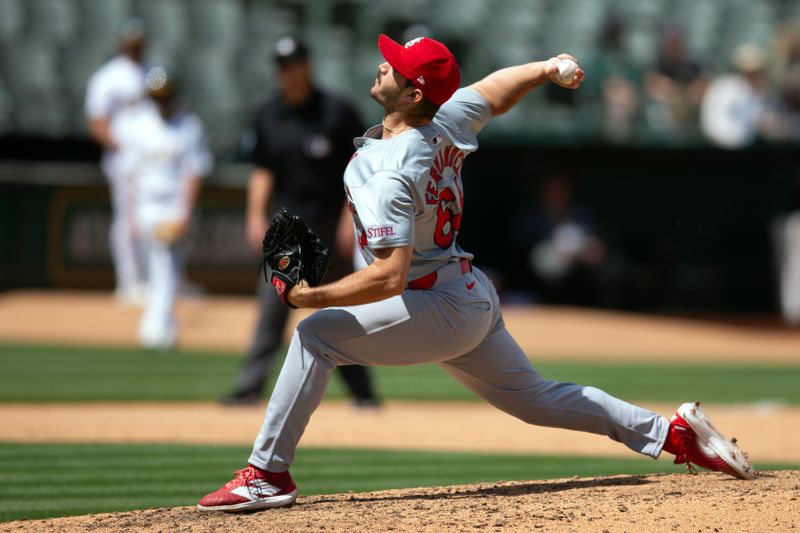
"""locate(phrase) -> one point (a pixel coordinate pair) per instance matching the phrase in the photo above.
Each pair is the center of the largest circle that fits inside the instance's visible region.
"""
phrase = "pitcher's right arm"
(504, 88)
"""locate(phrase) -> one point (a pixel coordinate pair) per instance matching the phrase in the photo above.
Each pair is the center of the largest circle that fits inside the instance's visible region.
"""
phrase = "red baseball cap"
(427, 63)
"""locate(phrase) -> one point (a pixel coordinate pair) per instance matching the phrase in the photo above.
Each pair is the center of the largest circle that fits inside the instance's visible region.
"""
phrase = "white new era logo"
(421, 80)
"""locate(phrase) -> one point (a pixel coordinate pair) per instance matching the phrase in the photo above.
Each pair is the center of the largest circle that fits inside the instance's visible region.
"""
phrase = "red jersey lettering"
(380, 231)
(447, 222)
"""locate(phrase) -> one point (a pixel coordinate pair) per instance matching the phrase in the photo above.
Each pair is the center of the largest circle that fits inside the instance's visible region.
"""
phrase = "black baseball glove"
(292, 252)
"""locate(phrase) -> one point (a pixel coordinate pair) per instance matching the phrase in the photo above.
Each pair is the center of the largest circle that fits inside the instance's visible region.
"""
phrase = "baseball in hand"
(566, 70)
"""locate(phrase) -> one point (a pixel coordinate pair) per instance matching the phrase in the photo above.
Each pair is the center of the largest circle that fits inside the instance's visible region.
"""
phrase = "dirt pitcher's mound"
(708, 502)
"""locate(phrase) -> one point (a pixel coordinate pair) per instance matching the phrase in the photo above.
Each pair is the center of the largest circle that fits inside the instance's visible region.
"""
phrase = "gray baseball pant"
(266, 347)
(456, 324)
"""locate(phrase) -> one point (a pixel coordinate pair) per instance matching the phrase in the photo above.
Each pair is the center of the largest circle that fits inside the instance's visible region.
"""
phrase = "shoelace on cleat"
(689, 466)
(242, 475)
(683, 457)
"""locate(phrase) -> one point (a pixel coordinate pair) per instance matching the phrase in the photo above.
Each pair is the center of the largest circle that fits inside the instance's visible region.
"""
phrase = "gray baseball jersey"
(404, 190)
(408, 189)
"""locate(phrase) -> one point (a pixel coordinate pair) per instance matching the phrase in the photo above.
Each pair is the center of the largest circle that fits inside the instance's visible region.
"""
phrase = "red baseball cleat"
(693, 438)
(251, 489)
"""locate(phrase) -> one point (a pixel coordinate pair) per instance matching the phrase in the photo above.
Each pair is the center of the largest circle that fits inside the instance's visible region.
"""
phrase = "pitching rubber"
(262, 503)
(709, 437)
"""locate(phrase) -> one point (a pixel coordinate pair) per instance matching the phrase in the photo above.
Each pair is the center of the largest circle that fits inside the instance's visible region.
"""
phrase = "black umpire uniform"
(306, 147)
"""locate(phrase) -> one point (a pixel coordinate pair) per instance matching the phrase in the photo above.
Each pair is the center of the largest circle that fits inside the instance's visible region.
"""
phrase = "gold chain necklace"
(390, 130)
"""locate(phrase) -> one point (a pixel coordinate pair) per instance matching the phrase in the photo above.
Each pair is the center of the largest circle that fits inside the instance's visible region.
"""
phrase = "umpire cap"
(290, 48)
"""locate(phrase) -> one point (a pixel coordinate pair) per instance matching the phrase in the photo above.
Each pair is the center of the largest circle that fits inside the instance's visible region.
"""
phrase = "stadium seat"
(702, 23)
(365, 61)
(332, 52)
(346, 12)
(638, 12)
(389, 17)
(11, 20)
(230, 65)
(264, 25)
(52, 21)
(33, 84)
(5, 110)
(578, 13)
(457, 18)
(166, 25)
(512, 28)
(100, 21)
(573, 27)
(207, 77)
(748, 23)
(790, 11)
(642, 44)
(78, 64)
(216, 23)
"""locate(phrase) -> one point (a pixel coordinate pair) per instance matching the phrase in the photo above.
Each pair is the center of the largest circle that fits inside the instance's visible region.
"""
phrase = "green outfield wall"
(689, 228)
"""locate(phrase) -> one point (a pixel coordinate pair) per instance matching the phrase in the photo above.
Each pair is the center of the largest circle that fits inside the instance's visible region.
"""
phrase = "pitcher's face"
(389, 86)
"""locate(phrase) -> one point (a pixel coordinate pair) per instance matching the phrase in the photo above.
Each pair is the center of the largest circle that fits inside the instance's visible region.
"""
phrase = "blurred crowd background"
(665, 183)
(651, 63)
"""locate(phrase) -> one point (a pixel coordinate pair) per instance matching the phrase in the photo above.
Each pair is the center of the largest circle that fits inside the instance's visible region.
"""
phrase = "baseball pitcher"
(420, 299)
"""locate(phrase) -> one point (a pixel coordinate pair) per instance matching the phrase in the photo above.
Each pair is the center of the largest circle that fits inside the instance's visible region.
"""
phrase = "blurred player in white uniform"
(115, 87)
(163, 148)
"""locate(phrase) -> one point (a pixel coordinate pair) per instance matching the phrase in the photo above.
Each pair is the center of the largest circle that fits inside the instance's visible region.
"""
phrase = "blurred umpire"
(300, 143)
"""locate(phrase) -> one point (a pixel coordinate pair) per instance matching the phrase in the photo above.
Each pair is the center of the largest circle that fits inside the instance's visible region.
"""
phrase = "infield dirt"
(681, 503)
(431, 426)
(544, 332)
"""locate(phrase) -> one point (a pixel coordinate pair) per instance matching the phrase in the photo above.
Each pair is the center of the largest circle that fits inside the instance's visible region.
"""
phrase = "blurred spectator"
(788, 244)
(675, 88)
(302, 140)
(561, 245)
(5, 109)
(161, 147)
(787, 49)
(733, 107)
(117, 85)
(781, 120)
(618, 109)
(612, 80)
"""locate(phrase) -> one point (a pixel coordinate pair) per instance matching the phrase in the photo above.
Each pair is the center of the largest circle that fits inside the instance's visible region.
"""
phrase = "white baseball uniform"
(790, 268)
(162, 156)
(116, 86)
(408, 190)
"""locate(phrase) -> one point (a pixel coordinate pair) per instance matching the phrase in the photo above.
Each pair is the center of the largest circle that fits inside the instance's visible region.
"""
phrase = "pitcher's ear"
(416, 95)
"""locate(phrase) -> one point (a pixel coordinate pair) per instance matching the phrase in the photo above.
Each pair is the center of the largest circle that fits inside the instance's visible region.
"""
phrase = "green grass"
(46, 480)
(61, 374)
(57, 373)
